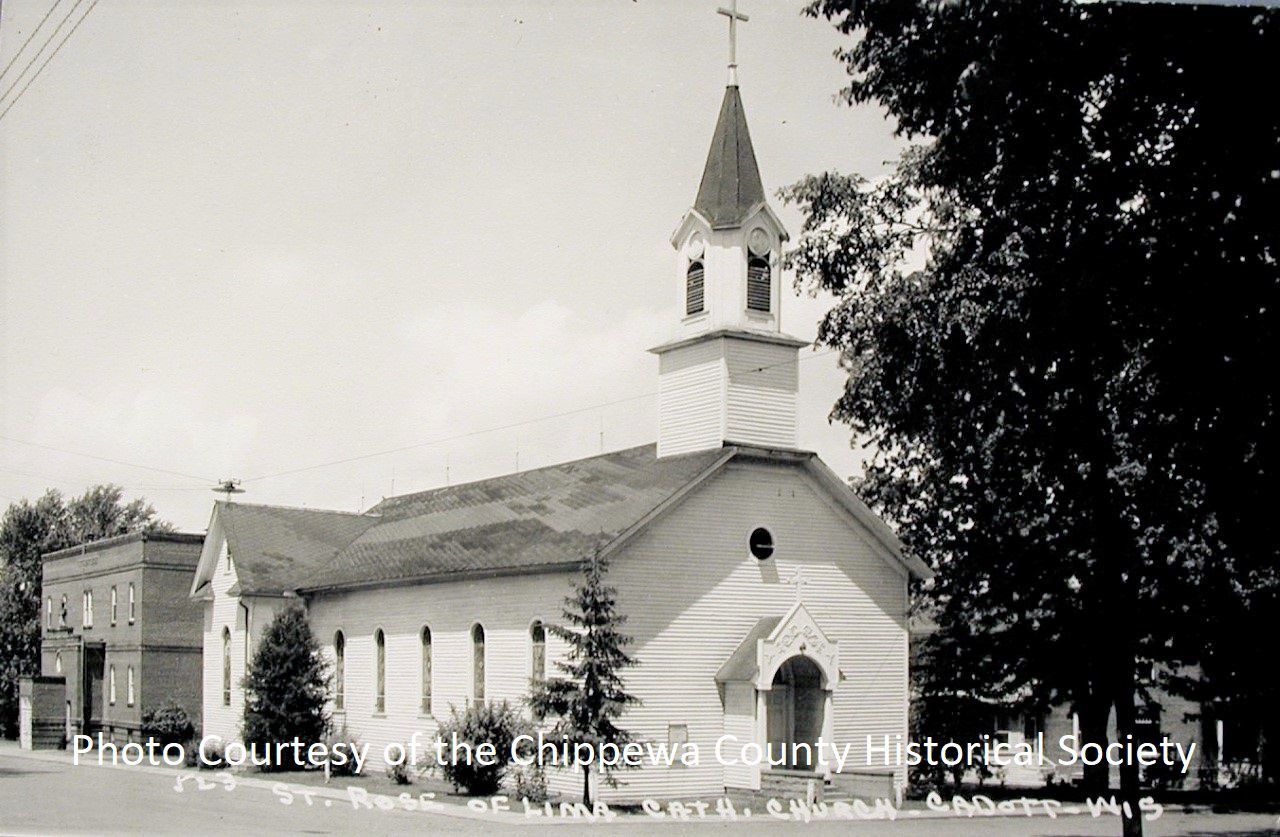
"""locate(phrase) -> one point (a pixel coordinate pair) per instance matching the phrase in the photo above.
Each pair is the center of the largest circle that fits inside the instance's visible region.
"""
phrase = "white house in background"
(766, 601)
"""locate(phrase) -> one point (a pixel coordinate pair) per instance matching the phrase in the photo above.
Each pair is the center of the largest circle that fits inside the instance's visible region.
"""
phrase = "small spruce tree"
(590, 696)
(286, 686)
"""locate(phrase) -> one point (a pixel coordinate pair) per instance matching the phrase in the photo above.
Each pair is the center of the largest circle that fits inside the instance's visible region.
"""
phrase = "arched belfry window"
(759, 285)
(339, 671)
(226, 666)
(538, 655)
(695, 289)
(477, 663)
(426, 671)
(380, 691)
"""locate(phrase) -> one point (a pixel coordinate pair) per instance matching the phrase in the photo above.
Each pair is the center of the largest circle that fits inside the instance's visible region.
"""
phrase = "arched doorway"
(796, 704)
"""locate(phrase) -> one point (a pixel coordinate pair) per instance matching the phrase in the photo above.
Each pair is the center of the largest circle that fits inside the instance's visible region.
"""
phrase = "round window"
(761, 543)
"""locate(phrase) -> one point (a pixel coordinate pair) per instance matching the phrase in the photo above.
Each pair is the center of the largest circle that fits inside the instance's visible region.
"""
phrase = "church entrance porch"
(777, 688)
(795, 709)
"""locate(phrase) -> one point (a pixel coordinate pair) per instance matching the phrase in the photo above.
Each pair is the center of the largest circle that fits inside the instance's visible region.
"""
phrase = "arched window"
(57, 663)
(339, 671)
(226, 666)
(114, 604)
(62, 613)
(133, 609)
(694, 290)
(477, 663)
(426, 670)
(380, 687)
(48, 612)
(128, 687)
(111, 684)
(538, 655)
(759, 286)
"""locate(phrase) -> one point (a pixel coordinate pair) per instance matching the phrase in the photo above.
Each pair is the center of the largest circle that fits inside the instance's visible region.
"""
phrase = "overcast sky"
(238, 239)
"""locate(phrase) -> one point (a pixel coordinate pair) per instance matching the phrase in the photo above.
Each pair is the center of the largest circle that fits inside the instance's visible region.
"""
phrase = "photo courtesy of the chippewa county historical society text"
(640, 417)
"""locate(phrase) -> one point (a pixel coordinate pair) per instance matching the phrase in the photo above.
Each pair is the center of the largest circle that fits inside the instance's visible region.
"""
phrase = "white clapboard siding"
(761, 398)
(226, 611)
(691, 385)
(507, 608)
(691, 592)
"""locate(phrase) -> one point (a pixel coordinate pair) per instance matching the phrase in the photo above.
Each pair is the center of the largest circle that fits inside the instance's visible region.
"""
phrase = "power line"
(42, 48)
(107, 459)
(52, 480)
(389, 451)
(443, 439)
(12, 60)
(56, 50)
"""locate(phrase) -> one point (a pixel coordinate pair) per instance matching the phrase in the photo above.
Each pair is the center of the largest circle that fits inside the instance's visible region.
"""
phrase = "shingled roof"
(534, 519)
(274, 548)
(731, 188)
(519, 522)
(526, 522)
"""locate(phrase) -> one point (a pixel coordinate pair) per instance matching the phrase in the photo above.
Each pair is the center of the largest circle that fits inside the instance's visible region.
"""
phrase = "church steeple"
(731, 188)
(728, 374)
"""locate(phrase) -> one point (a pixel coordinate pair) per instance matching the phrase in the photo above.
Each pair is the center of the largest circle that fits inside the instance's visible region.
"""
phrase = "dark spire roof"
(731, 181)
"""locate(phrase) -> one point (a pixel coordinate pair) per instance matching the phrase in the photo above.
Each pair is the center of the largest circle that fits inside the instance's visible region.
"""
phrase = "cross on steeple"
(734, 16)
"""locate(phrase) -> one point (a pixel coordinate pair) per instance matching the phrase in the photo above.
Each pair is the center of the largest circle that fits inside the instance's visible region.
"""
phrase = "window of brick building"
(114, 605)
(86, 618)
(133, 605)
(111, 685)
(129, 686)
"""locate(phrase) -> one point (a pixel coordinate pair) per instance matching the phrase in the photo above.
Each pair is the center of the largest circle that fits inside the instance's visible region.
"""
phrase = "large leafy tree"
(591, 695)
(286, 686)
(29, 530)
(1058, 316)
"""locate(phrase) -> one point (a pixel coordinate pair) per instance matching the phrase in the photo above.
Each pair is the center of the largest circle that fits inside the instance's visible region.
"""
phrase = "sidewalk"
(674, 812)
(193, 777)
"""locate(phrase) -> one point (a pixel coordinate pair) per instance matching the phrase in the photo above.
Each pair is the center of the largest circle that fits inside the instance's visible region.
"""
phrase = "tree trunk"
(1094, 712)
(586, 786)
(1126, 725)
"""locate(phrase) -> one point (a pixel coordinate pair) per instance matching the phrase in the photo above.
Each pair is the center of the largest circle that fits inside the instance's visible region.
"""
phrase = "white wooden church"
(766, 601)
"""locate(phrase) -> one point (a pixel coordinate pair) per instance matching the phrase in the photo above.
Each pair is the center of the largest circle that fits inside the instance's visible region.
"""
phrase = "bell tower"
(728, 373)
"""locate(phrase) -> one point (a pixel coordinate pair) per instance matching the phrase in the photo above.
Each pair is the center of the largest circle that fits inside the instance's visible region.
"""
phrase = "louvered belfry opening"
(758, 284)
(695, 291)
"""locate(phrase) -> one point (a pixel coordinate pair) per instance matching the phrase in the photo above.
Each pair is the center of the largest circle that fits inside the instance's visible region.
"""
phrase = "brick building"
(120, 632)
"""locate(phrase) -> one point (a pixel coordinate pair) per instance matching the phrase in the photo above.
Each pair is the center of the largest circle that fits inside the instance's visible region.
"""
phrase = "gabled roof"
(743, 663)
(532, 521)
(731, 188)
(276, 548)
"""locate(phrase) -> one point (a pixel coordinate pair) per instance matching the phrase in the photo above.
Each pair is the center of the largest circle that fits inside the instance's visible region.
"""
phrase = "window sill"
(378, 715)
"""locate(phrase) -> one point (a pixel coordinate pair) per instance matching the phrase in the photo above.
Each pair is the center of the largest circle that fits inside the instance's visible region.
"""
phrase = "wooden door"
(780, 720)
(94, 666)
